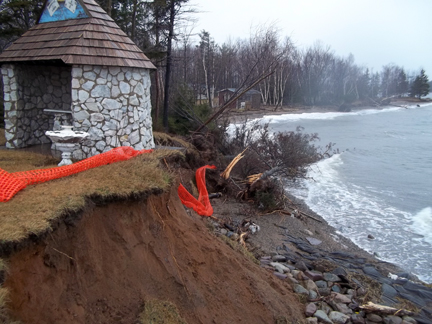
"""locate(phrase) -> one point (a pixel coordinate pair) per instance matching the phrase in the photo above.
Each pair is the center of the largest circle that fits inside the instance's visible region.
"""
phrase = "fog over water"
(375, 32)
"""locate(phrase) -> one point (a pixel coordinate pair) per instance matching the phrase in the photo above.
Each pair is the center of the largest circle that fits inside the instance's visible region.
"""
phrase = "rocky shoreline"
(331, 274)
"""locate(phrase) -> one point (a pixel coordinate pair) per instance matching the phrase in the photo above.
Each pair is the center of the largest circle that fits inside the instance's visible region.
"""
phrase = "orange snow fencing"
(202, 206)
(11, 183)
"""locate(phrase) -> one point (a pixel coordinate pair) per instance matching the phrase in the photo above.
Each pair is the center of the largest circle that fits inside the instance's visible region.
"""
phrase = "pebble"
(311, 320)
(374, 318)
(357, 319)
(322, 316)
(315, 276)
(279, 267)
(321, 284)
(310, 285)
(279, 258)
(326, 308)
(336, 288)
(392, 319)
(409, 319)
(280, 275)
(301, 266)
(312, 295)
(299, 289)
(331, 277)
(324, 291)
(339, 298)
(338, 318)
(311, 308)
(313, 241)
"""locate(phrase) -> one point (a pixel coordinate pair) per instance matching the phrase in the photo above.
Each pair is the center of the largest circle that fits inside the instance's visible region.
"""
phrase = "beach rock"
(331, 277)
(357, 319)
(299, 289)
(371, 271)
(354, 305)
(339, 272)
(301, 276)
(324, 291)
(351, 292)
(279, 267)
(343, 308)
(313, 241)
(371, 237)
(339, 298)
(300, 265)
(325, 308)
(315, 276)
(312, 295)
(336, 288)
(418, 301)
(374, 318)
(292, 279)
(338, 318)
(392, 319)
(409, 319)
(311, 308)
(279, 258)
(322, 316)
(310, 285)
(280, 275)
(311, 320)
(321, 284)
(388, 291)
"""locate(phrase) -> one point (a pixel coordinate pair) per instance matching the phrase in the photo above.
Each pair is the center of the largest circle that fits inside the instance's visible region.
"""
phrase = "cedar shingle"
(96, 41)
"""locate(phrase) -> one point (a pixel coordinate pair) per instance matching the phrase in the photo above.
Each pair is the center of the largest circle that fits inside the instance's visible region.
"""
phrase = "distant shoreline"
(236, 116)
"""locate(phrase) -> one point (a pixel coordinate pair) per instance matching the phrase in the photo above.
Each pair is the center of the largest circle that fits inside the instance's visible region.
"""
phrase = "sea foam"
(422, 224)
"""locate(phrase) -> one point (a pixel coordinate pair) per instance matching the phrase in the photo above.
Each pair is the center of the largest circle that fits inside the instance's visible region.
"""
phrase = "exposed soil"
(105, 266)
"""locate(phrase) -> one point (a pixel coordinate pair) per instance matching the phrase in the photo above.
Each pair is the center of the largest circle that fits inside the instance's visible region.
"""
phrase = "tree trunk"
(168, 65)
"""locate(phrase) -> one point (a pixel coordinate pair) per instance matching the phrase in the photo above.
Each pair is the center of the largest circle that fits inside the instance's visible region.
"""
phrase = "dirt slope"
(107, 264)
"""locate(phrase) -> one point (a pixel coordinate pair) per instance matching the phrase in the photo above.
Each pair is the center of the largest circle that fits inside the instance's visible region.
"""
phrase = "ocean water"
(380, 183)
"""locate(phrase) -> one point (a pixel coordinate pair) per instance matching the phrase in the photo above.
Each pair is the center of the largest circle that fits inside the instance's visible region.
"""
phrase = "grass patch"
(160, 312)
(33, 210)
(372, 287)
(2, 137)
(167, 140)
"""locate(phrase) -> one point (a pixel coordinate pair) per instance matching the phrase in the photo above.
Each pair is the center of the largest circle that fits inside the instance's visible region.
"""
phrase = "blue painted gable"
(57, 10)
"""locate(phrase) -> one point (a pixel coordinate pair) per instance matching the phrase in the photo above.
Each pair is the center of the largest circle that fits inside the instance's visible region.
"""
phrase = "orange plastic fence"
(11, 183)
(202, 206)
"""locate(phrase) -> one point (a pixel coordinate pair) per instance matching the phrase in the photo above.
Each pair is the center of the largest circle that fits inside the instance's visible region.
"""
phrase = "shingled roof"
(94, 40)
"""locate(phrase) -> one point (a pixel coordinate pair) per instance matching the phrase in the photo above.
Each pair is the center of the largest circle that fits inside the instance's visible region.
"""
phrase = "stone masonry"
(113, 105)
(28, 89)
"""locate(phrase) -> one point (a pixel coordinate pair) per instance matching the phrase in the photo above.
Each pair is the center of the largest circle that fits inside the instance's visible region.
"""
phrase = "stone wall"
(113, 105)
(28, 89)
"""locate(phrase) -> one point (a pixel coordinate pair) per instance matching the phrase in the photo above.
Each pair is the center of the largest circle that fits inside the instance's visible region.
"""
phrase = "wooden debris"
(385, 310)
(227, 171)
(254, 177)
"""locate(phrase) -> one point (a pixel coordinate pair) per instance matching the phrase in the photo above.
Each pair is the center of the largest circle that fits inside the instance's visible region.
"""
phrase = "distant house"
(250, 100)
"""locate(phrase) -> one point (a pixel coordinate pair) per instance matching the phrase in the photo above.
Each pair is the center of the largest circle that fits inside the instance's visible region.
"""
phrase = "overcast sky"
(376, 32)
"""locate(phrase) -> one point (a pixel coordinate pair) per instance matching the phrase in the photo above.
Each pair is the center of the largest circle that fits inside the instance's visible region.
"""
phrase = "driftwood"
(385, 310)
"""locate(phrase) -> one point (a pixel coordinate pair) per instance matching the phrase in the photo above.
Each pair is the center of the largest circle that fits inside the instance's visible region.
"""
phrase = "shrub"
(186, 116)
